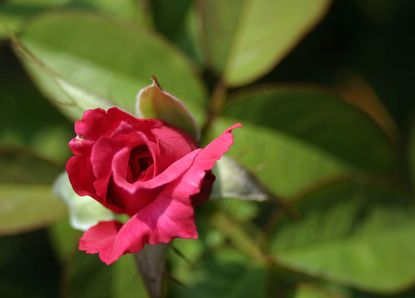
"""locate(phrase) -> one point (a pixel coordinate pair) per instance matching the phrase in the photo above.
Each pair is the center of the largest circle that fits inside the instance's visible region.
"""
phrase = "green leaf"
(225, 273)
(88, 277)
(169, 17)
(28, 207)
(242, 210)
(311, 291)
(243, 39)
(177, 21)
(244, 237)
(83, 61)
(64, 239)
(354, 234)
(84, 212)
(132, 11)
(71, 100)
(15, 13)
(233, 181)
(294, 138)
(44, 132)
(18, 166)
(127, 282)
(154, 102)
(26, 199)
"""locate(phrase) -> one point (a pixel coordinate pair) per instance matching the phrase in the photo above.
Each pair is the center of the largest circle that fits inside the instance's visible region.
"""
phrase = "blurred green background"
(324, 90)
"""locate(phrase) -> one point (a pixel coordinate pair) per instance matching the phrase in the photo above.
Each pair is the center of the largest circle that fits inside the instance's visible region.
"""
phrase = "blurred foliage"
(323, 90)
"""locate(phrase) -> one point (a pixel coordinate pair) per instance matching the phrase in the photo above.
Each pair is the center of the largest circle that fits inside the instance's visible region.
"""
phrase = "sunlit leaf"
(243, 39)
(15, 13)
(103, 62)
(355, 234)
(293, 138)
(71, 100)
(131, 11)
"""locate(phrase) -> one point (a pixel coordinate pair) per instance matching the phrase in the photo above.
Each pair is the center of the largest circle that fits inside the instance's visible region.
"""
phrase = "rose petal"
(205, 189)
(97, 122)
(172, 144)
(170, 216)
(80, 146)
(136, 196)
(166, 218)
(94, 124)
(99, 236)
(171, 173)
(80, 175)
(106, 148)
(91, 126)
(126, 136)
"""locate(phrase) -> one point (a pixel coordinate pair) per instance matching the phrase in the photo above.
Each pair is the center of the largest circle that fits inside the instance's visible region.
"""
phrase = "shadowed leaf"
(88, 277)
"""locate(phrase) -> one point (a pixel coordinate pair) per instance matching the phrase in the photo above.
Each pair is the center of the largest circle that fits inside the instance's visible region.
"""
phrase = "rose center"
(140, 164)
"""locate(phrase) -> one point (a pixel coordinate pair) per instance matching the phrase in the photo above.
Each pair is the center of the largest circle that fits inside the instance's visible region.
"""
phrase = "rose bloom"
(144, 168)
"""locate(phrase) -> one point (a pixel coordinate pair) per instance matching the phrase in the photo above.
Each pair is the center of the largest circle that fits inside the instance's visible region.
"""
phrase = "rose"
(144, 168)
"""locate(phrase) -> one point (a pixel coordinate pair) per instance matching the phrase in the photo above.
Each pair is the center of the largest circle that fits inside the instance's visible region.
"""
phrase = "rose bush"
(145, 169)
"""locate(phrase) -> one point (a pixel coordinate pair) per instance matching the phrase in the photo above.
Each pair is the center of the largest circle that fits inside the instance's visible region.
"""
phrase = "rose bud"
(146, 169)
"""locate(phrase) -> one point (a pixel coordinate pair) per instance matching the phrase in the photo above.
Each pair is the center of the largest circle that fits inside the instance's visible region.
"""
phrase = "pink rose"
(146, 169)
